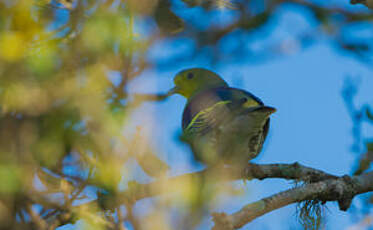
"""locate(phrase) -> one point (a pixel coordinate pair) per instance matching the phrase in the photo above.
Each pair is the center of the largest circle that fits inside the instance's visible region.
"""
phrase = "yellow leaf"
(12, 46)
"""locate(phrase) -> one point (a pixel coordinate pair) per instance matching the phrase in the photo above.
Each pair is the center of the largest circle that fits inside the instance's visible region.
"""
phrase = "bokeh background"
(84, 115)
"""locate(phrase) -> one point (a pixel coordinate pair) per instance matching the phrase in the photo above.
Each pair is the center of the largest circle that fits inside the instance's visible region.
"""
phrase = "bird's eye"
(190, 75)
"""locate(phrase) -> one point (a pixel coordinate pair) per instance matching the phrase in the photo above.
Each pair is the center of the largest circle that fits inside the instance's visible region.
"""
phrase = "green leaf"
(167, 21)
(369, 113)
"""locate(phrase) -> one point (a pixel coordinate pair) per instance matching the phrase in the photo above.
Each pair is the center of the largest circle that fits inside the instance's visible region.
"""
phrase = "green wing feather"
(207, 119)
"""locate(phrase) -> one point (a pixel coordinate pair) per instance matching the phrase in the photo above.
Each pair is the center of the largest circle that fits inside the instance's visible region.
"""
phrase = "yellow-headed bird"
(222, 124)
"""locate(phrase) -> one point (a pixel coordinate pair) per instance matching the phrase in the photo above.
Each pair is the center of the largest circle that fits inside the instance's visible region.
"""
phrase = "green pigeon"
(223, 125)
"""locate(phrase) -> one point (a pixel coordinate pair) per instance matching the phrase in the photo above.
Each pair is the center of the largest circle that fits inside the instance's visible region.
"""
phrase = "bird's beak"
(268, 109)
(173, 91)
(264, 109)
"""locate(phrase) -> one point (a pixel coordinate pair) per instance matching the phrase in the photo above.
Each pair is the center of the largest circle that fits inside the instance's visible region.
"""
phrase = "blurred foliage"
(61, 118)
(363, 145)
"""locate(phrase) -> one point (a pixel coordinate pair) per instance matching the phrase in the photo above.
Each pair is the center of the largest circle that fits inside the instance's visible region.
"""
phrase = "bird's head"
(189, 82)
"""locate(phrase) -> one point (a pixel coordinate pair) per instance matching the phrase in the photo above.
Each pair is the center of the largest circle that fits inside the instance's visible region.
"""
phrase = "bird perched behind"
(222, 124)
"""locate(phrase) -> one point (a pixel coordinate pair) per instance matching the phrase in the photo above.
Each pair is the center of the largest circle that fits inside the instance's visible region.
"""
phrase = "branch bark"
(293, 171)
(341, 189)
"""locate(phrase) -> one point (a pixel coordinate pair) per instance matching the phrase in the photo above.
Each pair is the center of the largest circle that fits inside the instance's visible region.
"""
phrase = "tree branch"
(293, 171)
(319, 186)
(341, 189)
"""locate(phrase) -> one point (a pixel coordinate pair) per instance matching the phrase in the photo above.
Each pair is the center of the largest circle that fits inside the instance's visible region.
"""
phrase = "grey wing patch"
(256, 143)
(207, 119)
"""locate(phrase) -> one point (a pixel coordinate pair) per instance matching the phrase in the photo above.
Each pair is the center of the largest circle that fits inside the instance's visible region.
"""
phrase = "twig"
(120, 225)
(36, 219)
(131, 218)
